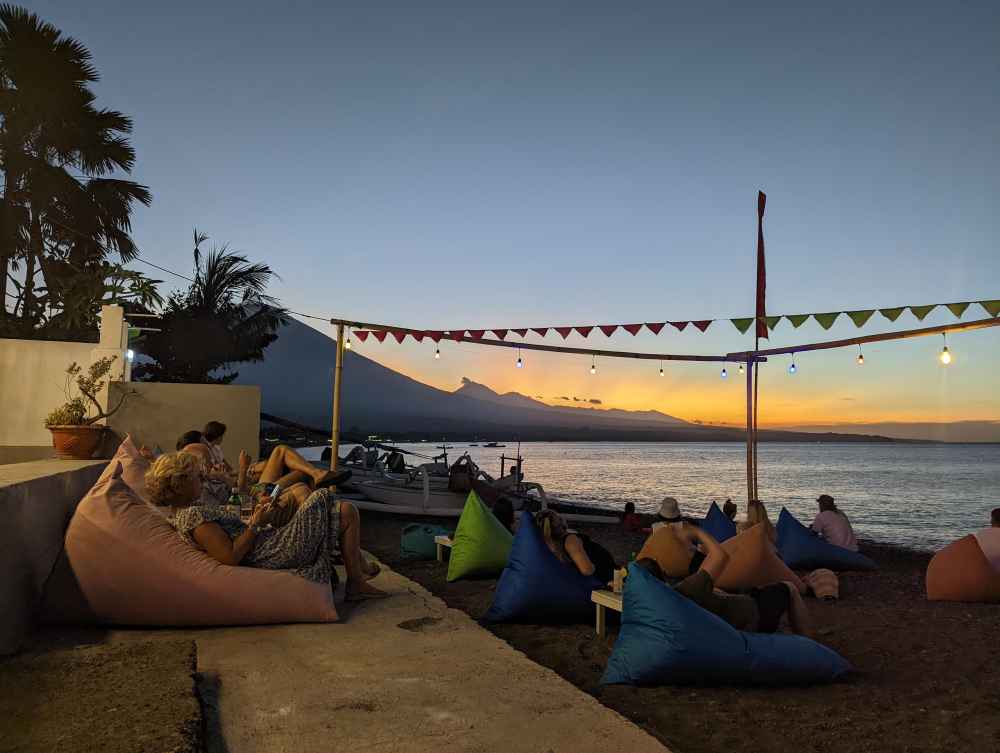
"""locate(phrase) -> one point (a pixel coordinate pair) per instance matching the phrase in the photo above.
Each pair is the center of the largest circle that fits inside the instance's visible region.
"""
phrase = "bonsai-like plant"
(89, 384)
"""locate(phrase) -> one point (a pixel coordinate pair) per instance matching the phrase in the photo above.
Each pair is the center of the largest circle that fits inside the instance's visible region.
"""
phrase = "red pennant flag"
(399, 335)
(679, 325)
(703, 324)
(632, 329)
(361, 334)
(609, 329)
(477, 333)
(564, 331)
(501, 333)
(542, 331)
(456, 335)
(379, 335)
(434, 335)
(585, 331)
(761, 267)
(656, 327)
(521, 332)
(418, 336)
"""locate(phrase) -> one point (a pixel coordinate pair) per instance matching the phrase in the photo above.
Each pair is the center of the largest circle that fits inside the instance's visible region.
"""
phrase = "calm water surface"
(916, 495)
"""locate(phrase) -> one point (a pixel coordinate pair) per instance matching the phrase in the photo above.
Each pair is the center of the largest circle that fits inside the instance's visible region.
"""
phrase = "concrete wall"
(159, 413)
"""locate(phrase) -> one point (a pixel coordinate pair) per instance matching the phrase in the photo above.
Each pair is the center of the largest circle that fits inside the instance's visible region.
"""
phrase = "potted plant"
(74, 433)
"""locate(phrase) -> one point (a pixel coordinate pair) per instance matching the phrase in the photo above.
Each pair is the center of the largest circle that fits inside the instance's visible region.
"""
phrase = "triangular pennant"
(477, 333)
(891, 314)
(564, 331)
(796, 319)
(703, 324)
(399, 335)
(542, 331)
(990, 307)
(379, 335)
(826, 320)
(501, 333)
(434, 335)
(632, 329)
(521, 332)
(860, 318)
(772, 321)
(361, 334)
(922, 311)
(608, 329)
(456, 335)
(957, 308)
(585, 331)
(655, 327)
(742, 324)
(679, 325)
(418, 336)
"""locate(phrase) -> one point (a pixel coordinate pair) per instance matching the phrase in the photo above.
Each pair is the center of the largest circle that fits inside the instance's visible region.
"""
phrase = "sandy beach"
(926, 676)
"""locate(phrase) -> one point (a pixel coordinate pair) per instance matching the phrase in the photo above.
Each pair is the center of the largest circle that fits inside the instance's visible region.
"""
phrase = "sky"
(474, 165)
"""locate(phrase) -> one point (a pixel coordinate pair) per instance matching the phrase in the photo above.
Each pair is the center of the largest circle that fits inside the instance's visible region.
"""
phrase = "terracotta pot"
(76, 442)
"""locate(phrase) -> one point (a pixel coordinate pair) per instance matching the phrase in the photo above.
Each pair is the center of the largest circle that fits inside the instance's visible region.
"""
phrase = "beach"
(925, 678)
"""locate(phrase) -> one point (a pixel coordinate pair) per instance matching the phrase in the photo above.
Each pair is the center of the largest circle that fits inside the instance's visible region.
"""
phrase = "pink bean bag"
(961, 571)
(134, 467)
(124, 564)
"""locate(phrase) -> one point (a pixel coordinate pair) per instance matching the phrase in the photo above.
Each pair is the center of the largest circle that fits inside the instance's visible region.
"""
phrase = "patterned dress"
(306, 545)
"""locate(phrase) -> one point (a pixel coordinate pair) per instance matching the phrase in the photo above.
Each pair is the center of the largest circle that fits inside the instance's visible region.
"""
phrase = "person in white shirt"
(211, 437)
(833, 525)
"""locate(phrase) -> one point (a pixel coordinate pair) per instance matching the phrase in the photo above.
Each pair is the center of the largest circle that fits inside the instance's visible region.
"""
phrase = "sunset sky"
(445, 165)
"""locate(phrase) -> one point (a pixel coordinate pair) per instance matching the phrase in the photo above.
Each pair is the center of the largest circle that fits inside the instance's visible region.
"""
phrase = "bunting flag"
(860, 317)
(609, 329)
(361, 334)
(564, 331)
(434, 335)
(797, 319)
(399, 335)
(585, 331)
(655, 327)
(521, 332)
(477, 333)
(632, 329)
(542, 331)
(990, 307)
(826, 320)
(772, 321)
(500, 333)
(892, 314)
(742, 324)
(379, 335)
(456, 334)
(418, 336)
(957, 309)
(702, 325)
(679, 325)
(762, 325)
(921, 311)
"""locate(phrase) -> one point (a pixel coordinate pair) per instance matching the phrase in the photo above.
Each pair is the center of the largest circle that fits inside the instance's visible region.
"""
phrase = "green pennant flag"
(133, 332)
(826, 320)
(957, 308)
(797, 319)
(991, 307)
(922, 311)
(742, 324)
(891, 314)
(860, 318)
(772, 321)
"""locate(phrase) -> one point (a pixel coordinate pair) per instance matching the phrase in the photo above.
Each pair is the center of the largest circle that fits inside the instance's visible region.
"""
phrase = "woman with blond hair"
(306, 545)
(576, 549)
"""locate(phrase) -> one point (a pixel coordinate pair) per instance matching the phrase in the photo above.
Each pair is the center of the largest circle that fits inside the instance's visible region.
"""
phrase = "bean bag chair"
(962, 572)
(417, 541)
(481, 543)
(666, 639)
(801, 549)
(718, 525)
(133, 465)
(124, 564)
(753, 563)
(671, 554)
(536, 587)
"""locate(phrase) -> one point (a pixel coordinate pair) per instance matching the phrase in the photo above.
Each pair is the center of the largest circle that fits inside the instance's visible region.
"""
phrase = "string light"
(593, 366)
(347, 345)
(437, 352)
(945, 356)
(520, 363)
(861, 356)
(791, 368)
(661, 368)
(724, 373)
(741, 368)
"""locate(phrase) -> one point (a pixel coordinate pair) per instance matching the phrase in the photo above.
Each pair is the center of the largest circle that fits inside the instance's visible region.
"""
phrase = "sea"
(916, 495)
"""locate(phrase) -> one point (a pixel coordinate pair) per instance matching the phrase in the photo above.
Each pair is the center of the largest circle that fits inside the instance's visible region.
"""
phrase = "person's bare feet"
(370, 568)
(361, 591)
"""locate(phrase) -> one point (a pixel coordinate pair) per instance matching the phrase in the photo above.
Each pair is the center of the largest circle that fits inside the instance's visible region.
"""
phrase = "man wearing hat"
(670, 512)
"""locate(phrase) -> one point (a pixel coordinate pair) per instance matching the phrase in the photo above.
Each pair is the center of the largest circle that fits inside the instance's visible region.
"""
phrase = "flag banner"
(826, 320)
(361, 334)
(418, 336)
(892, 314)
(761, 267)
(797, 319)
(990, 307)
(957, 308)
(860, 318)
(585, 331)
(608, 329)
(456, 335)
(521, 332)
(434, 335)
(379, 335)
(655, 327)
(703, 324)
(679, 325)
(477, 333)
(542, 331)
(742, 324)
(772, 321)
(564, 331)
(632, 329)
(400, 336)
(500, 333)
(922, 311)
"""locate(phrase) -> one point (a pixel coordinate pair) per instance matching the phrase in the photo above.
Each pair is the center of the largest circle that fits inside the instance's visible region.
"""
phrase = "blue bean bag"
(667, 639)
(718, 525)
(536, 587)
(801, 549)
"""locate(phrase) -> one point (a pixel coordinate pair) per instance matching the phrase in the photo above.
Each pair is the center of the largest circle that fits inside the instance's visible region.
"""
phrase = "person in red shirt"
(630, 521)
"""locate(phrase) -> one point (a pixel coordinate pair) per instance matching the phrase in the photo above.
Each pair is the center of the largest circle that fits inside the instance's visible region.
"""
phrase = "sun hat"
(670, 511)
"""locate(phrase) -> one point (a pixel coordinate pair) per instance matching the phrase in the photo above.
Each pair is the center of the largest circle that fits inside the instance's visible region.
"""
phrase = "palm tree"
(225, 317)
(61, 209)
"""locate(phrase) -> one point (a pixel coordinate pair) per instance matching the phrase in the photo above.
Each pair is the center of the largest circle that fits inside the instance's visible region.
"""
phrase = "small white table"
(442, 542)
(605, 600)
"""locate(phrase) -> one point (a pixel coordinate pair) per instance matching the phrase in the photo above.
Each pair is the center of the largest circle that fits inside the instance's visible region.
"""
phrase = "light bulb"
(724, 373)
(945, 356)
(593, 368)
(520, 363)
(130, 354)
(861, 359)
(437, 352)
(741, 368)
(792, 369)
(347, 345)
(661, 371)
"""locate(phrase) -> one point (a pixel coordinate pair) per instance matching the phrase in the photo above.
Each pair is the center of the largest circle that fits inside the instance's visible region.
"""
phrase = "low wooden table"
(605, 600)
(442, 542)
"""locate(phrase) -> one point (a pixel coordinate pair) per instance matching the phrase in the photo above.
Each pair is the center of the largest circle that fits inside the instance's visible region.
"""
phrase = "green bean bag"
(481, 543)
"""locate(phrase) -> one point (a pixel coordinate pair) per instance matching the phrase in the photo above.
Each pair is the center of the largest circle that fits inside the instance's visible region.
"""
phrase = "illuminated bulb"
(861, 359)
(593, 368)
(130, 354)
(520, 363)
(945, 356)
(792, 369)
(347, 345)
(741, 368)
(437, 352)
(724, 373)
(661, 371)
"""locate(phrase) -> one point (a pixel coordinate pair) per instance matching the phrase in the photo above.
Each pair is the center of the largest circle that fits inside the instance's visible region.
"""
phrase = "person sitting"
(503, 510)
(995, 518)
(188, 438)
(833, 525)
(577, 549)
(757, 515)
(307, 545)
(285, 467)
(211, 437)
(729, 509)
(510, 481)
(631, 522)
(669, 514)
(758, 611)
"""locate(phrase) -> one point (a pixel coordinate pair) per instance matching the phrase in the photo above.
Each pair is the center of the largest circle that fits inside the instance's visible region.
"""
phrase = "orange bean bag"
(753, 563)
(671, 554)
(961, 572)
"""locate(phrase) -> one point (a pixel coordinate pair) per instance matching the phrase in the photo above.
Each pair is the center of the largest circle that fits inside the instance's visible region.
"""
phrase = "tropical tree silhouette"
(62, 211)
(225, 317)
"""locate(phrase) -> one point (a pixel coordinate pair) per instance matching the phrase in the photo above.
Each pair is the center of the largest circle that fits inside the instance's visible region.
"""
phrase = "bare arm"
(715, 556)
(221, 548)
(575, 550)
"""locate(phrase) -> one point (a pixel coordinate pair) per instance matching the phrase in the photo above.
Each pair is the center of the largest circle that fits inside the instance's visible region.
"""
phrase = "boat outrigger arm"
(749, 357)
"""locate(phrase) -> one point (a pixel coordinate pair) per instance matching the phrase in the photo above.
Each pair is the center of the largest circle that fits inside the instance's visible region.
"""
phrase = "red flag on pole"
(761, 269)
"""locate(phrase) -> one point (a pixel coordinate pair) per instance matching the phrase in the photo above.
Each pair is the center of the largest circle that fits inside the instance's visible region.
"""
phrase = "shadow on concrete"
(208, 686)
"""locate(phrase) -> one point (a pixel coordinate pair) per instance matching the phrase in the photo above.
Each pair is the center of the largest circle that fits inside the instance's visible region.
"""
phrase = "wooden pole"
(337, 378)
(750, 496)
(756, 402)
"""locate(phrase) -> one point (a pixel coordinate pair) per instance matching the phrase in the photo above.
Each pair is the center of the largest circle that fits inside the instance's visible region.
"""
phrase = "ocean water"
(923, 496)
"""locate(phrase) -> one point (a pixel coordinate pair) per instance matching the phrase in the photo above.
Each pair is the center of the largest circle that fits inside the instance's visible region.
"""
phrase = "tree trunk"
(35, 250)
